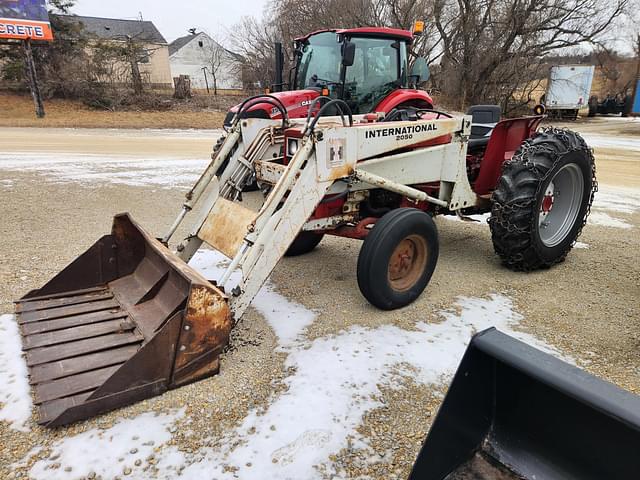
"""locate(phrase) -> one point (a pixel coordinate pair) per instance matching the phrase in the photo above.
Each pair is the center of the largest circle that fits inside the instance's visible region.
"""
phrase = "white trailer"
(568, 90)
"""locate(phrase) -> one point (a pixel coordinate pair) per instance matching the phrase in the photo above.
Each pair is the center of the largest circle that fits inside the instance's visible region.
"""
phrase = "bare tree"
(216, 56)
(489, 45)
(484, 50)
(254, 41)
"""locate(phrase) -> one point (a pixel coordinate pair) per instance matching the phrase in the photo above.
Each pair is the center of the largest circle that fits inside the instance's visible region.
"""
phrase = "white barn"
(202, 58)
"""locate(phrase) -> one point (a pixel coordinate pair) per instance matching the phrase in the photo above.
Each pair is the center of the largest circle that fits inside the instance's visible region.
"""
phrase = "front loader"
(129, 319)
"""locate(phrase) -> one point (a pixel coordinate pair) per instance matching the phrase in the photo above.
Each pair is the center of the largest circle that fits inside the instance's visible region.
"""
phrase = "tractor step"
(125, 321)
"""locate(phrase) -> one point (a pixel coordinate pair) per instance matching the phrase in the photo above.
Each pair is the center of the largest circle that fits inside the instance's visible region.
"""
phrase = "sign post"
(27, 21)
(30, 67)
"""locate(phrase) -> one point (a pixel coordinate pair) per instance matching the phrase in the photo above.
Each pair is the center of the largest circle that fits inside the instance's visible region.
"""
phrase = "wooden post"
(32, 78)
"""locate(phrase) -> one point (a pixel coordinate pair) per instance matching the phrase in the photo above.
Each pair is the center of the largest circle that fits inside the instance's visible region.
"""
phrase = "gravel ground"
(586, 307)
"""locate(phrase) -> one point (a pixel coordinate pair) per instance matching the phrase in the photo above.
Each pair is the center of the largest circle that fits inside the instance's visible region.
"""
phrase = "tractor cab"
(361, 66)
(368, 68)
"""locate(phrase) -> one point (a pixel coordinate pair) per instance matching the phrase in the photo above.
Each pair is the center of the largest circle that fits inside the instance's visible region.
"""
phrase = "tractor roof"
(378, 32)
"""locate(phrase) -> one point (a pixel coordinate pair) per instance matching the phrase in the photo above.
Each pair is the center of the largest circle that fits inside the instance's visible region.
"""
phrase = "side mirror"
(348, 53)
(420, 70)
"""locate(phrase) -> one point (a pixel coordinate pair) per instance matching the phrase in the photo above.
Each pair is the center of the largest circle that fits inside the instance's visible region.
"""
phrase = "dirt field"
(317, 384)
(18, 111)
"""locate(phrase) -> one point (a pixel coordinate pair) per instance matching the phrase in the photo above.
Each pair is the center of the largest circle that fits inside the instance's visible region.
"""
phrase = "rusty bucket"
(126, 320)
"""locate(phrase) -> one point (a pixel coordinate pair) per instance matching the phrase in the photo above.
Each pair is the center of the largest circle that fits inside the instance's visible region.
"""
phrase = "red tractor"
(368, 68)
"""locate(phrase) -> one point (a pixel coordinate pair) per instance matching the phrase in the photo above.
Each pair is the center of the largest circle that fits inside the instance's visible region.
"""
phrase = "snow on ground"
(614, 199)
(95, 169)
(107, 452)
(605, 220)
(581, 245)
(480, 219)
(622, 142)
(611, 199)
(292, 317)
(15, 396)
(617, 199)
(336, 381)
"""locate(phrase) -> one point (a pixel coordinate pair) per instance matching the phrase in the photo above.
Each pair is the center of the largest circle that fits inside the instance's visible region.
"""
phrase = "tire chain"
(520, 159)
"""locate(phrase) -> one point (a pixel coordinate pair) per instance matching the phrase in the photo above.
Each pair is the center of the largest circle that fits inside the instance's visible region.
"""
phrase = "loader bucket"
(515, 412)
(125, 321)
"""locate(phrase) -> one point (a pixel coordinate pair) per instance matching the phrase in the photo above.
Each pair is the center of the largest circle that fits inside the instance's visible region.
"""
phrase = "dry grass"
(18, 111)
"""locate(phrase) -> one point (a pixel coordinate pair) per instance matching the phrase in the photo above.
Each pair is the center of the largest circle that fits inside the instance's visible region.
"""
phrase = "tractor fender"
(406, 97)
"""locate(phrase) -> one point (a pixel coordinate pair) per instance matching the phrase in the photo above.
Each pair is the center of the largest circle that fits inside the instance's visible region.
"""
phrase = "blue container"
(636, 101)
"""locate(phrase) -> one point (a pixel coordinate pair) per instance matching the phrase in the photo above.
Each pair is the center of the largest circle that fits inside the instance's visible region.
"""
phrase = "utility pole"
(32, 78)
(206, 81)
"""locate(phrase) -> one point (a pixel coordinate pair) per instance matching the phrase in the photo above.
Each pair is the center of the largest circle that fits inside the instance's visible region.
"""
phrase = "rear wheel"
(542, 200)
(398, 258)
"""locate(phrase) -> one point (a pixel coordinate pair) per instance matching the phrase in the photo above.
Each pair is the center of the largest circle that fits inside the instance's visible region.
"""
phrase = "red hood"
(296, 102)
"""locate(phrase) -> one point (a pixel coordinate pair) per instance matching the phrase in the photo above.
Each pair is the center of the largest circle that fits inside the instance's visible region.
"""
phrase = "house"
(153, 63)
(208, 64)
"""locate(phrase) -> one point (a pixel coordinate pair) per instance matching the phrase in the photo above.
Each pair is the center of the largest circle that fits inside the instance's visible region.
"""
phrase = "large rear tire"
(542, 200)
(397, 258)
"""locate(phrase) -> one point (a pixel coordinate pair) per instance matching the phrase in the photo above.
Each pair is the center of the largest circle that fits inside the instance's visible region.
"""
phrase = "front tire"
(542, 200)
(397, 258)
(304, 243)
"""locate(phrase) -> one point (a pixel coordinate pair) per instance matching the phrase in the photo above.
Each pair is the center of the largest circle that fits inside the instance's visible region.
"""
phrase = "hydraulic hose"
(342, 108)
(269, 99)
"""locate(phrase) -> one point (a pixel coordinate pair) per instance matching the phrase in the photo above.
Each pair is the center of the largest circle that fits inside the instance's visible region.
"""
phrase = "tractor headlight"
(292, 147)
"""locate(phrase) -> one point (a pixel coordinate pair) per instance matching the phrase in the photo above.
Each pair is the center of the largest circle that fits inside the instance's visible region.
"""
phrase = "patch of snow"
(95, 169)
(107, 452)
(336, 382)
(612, 141)
(617, 199)
(605, 220)
(580, 245)
(480, 219)
(15, 395)
(288, 319)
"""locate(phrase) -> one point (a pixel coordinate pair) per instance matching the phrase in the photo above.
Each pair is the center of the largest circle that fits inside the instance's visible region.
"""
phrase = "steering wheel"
(316, 79)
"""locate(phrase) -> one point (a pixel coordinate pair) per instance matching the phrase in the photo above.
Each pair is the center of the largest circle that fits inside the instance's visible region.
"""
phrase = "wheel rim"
(560, 205)
(407, 263)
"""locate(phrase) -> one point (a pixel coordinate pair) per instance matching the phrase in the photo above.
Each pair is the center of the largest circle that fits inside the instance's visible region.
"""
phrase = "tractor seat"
(484, 119)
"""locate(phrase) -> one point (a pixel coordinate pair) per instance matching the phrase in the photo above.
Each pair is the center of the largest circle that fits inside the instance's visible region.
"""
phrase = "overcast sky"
(174, 18)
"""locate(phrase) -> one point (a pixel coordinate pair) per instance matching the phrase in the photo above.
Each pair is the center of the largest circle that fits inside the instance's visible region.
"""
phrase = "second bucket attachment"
(125, 321)
(514, 412)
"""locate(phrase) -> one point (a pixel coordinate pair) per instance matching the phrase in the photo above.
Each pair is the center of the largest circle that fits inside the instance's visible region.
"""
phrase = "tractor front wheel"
(397, 258)
(542, 200)
(304, 243)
